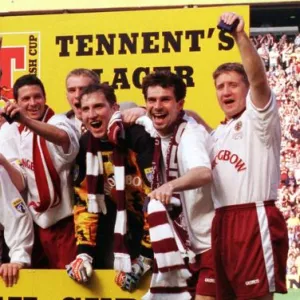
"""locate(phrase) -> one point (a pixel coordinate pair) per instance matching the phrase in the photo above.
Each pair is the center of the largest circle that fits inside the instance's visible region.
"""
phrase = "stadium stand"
(281, 55)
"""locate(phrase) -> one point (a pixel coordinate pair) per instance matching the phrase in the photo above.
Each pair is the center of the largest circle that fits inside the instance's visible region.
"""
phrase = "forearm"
(193, 179)
(251, 60)
(49, 132)
(255, 70)
(21, 248)
(15, 175)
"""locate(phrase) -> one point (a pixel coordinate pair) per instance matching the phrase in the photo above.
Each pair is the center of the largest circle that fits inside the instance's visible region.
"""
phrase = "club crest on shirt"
(238, 126)
(149, 174)
(238, 134)
(19, 205)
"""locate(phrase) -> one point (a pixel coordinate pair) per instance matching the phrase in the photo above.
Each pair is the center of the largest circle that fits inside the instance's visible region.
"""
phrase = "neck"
(237, 115)
(165, 135)
(43, 115)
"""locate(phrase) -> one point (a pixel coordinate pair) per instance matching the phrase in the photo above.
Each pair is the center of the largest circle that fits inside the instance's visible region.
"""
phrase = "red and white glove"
(81, 268)
(130, 281)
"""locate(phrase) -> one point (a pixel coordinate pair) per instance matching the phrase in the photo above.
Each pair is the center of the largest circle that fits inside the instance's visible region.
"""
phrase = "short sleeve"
(63, 123)
(194, 146)
(265, 122)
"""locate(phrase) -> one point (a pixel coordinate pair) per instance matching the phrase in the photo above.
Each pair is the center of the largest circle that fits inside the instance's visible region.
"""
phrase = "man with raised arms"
(249, 234)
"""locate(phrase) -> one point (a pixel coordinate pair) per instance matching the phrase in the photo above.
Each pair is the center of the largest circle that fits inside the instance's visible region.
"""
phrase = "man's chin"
(98, 135)
(162, 130)
(34, 116)
(159, 125)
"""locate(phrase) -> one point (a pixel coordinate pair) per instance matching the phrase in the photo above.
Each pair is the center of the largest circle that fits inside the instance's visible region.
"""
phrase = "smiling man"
(48, 146)
(232, 88)
(97, 109)
(107, 181)
(181, 169)
(249, 233)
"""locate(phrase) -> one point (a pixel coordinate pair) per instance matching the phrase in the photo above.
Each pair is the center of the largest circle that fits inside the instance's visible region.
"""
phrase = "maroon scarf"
(46, 177)
(166, 246)
(95, 186)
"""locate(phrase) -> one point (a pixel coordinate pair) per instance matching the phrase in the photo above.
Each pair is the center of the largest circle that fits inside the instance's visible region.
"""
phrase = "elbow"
(64, 142)
(20, 187)
(19, 183)
(207, 176)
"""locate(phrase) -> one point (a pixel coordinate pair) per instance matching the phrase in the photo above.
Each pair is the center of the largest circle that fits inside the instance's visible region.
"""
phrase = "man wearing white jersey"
(16, 222)
(48, 147)
(249, 234)
(184, 170)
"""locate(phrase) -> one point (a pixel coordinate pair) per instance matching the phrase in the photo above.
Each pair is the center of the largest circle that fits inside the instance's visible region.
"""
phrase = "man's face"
(231, 93)
(163, 108)
(32, 100)
(96, 113)
(74, 86)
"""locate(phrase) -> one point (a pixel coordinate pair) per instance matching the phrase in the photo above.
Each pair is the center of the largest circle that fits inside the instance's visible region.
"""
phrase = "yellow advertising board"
(37, 5)
(56, 285)
(122, 47)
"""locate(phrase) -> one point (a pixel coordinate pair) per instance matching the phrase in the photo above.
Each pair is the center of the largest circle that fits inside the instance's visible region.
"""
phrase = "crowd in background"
(281, 56)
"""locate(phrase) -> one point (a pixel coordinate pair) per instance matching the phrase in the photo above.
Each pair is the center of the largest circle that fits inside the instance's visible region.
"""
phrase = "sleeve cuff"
(86, 249)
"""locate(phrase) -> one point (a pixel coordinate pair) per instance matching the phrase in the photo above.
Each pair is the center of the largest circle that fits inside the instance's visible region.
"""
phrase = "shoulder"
(8, 129)
(57, 118)
(136, 136)
(270, 107)
(135, 128)
(64, 123)
(195, 131)
(83, 141)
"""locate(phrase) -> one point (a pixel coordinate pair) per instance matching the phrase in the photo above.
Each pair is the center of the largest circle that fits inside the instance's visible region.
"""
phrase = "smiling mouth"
(228, 101)
(96, 124)
(159, 117)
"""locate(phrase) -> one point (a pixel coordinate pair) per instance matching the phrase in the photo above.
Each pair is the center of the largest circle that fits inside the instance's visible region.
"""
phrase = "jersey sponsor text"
(28, 164)
(234, 159)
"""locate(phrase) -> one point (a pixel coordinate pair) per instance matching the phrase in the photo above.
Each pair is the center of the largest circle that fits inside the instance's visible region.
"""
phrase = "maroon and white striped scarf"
(47, 179)
(168, 238)
(95, 187)
(169, 277)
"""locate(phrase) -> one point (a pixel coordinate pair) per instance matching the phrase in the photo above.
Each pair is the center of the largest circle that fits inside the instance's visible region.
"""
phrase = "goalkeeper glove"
(129, 281)
(81, 268)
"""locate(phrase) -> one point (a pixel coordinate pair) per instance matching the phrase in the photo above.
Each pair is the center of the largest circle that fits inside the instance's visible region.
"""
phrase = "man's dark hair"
(165, 79)
(28, 79)
(229, 67)
(104, 88)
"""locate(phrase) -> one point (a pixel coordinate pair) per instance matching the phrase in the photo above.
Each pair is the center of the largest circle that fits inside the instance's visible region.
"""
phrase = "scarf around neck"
(46, 176)
(169, 240)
